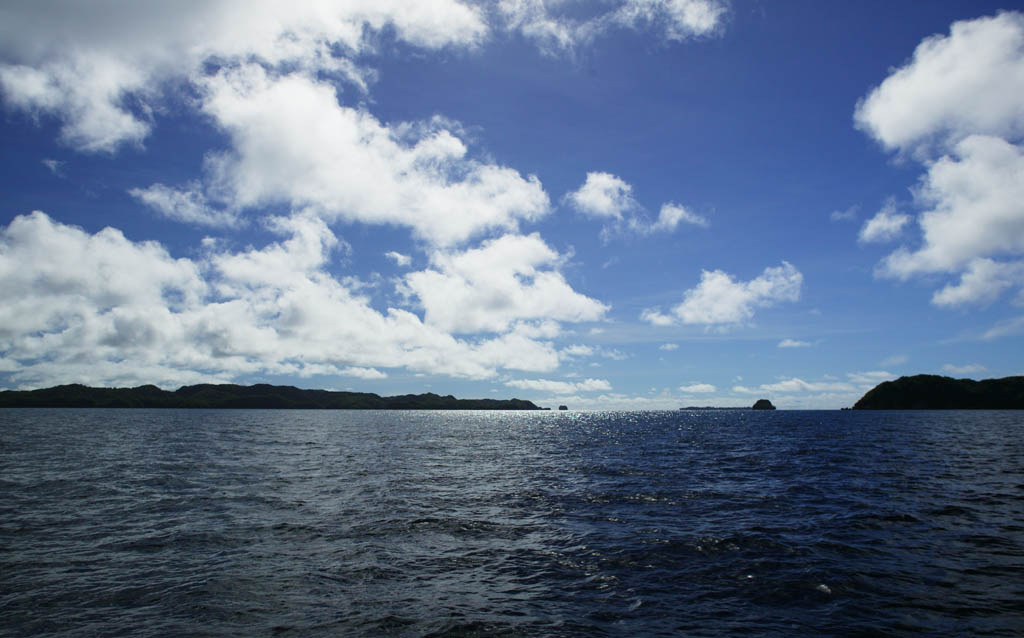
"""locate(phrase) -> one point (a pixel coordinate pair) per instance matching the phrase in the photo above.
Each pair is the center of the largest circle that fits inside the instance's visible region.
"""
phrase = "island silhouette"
(244, 396)
(932, 392)
(919, 392)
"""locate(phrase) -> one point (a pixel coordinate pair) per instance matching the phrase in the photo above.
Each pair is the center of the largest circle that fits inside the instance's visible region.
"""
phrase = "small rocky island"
(763, 404)
(932, 392)
(242, 396)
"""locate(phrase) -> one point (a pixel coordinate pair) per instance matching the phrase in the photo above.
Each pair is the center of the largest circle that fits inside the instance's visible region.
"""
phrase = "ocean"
(352, 523)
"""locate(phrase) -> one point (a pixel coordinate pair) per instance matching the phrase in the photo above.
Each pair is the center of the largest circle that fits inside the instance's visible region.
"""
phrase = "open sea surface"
(350, 523)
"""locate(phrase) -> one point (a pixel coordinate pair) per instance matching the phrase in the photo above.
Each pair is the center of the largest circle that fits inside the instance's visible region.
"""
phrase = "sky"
(608, 204)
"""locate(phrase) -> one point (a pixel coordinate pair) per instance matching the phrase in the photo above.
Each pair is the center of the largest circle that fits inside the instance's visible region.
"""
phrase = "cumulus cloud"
(971, 368)
(486, 289)
(560, 387)
(719, 299)
(608, 197)
(958, 107)
(603, 195)
(668, 347)
(975, 209)
(981, 283)
(101, 72)
(272, 91)
(886, 225)
(969, 82)
(295, 144)
(102, 309)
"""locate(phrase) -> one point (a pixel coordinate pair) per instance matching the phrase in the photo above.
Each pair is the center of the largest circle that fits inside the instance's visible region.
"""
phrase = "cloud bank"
(100, 308)
(957, 107)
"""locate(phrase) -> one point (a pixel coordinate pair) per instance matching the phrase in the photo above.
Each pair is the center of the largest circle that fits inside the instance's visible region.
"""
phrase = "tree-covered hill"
(243, 396)
(931, 392)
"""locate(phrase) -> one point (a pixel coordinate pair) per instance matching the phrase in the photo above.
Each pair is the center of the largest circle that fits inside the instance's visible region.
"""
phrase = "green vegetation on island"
(242, 396)
(931, 392)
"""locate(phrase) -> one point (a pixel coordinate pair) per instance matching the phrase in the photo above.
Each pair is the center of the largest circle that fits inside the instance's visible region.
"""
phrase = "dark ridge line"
(227, 396)
(932, 392)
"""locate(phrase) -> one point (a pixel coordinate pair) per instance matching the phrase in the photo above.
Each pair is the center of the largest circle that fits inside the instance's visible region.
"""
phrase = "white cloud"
(682, 18)
(399, 259)
(187, 205)
(577, 350)
(603, 195)
(672, 215)
(87, 93)
(698, 388)
(976, 210)
(363, 373)
(827, 391)
(798, 385)
(608, 197)
(486, 289)
(668, 347)
(101, 72)
(719, 299)
(969, 82)
(102, 309)
(533, 19)
(886, 225)
(558, 31)
(656, 318)
(981, 283)
(957, 107)
(295, 144)
(560, 387)
(871, 378)
(971, 368)
(793, 343)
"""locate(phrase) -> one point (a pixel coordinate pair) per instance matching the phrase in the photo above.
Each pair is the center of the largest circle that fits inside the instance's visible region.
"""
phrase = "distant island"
(760, 404)
(242, 396)
(932, 392)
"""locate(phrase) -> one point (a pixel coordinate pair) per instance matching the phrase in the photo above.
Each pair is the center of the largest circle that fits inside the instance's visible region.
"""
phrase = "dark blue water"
(158, 523)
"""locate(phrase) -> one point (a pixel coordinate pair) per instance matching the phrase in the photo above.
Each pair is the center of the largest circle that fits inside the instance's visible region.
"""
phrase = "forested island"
(243, 396)
(932, 392)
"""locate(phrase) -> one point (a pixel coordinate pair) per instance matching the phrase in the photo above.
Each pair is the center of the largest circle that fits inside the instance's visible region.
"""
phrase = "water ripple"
(307, 523)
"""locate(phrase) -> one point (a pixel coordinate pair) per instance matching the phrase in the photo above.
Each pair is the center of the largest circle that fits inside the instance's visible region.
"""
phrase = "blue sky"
(624, 204)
